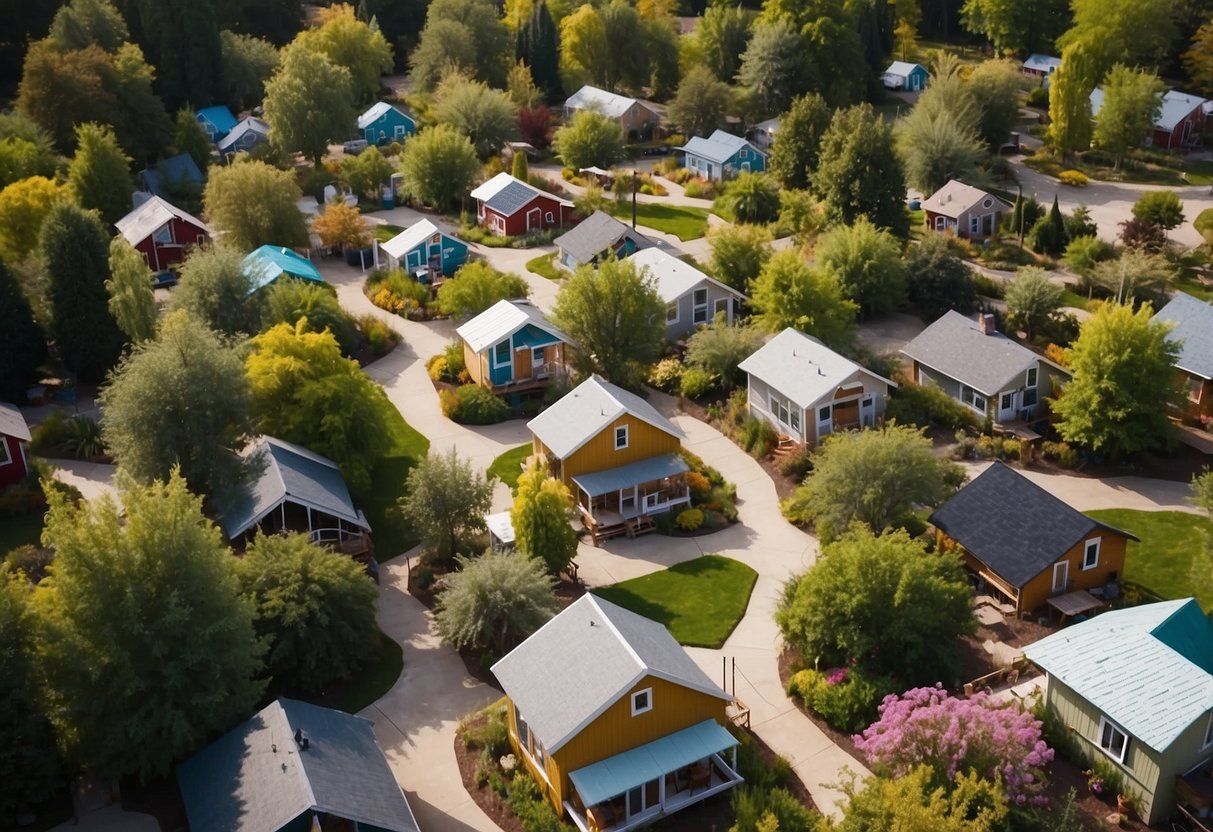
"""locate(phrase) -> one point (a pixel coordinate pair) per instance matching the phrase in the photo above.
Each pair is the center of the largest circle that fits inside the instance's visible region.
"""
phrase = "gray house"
(596, 235)
(964, 210)
(692, 298)
(246, 135)
(983, 369)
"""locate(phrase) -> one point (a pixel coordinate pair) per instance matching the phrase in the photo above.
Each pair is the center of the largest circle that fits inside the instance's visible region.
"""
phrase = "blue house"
(424, 251)
(905, 76)
(722, 155)
(175, 171)
(512, 348)
(268, 263)
(217, 121)
(383, 123)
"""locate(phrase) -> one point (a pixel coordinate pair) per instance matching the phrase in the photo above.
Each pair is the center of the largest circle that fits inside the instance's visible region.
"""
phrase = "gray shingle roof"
(955, 346)
(1012, 525)
(802, 368)
(582, 413)
(1193, 330)
(954, 198)
(584, 659)
(595, 234)
(12, 422)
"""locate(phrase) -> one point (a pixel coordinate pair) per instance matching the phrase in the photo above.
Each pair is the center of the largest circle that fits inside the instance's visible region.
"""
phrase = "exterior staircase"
(640, 525)
(786, 446)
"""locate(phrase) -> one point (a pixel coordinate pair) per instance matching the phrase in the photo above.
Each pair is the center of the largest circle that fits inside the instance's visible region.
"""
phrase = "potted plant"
(1094, 782)
(1124, 804)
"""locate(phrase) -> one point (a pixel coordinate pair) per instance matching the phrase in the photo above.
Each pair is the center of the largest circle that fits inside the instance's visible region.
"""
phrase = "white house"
(692, 298)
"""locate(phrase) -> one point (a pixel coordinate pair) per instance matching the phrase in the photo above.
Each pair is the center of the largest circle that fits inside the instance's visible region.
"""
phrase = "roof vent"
(302, 741)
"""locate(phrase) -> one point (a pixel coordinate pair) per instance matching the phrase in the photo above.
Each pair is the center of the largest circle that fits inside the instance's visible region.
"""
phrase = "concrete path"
(1089, 494)
(92, 478)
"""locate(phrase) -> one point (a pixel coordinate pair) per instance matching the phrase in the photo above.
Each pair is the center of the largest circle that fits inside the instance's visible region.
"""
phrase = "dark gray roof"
(256, 778)
(1012, 525)
(955, 346)
(1193, 330)
(595, 234)
(511, 198)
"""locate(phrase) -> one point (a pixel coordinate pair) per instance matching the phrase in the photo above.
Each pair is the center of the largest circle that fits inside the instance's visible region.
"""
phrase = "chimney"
(986, 321)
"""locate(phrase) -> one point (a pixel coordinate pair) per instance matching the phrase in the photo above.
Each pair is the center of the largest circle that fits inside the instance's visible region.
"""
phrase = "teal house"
(511, 348)
(383, 123)
(425, 252)
(217, 121)
(722, 156)
(268, 263)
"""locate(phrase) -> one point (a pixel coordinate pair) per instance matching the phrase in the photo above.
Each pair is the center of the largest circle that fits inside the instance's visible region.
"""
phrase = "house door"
(412, 261)
(533, 219)
(1061, 576)
(825, 420)
(1006, 407)
(867, 412)
(987, 225)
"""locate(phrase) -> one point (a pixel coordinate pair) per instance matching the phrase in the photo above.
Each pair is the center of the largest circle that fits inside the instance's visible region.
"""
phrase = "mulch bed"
(1016, 632)
(784, 485)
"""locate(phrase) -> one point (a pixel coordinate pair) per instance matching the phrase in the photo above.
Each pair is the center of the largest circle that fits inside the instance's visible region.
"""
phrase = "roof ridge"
(640, 663)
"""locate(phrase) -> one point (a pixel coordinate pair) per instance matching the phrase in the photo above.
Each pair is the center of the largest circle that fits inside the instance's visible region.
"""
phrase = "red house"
(162, 232)
(510, 207)
(14, 433)
(1179, 120)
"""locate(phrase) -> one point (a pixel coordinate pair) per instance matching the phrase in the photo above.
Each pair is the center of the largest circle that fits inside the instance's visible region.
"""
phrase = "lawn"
(404, 447)
(19, 531)
(683, 222)
(1174, 559)
(700, 601)
(508, 466)
(544, 266)
(386, 232)
(1070, 298)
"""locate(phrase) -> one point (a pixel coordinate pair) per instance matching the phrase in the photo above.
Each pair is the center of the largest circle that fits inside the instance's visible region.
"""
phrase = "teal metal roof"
(268, 263)
(625, 476)
(616, 775)
(1149, 669)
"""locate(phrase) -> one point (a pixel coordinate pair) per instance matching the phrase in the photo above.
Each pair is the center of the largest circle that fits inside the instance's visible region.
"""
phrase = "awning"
(617, 775)
(625, 476)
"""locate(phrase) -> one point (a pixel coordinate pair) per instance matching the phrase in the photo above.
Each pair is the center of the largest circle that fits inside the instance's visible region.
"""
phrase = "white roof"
(501, 526)
(902, 69)
(954, 198)
(718, 147)
(503, 319)
(593, 98)
(770, 126)
(1176, 106)
(491, 188)
(250, 124)
(672, 277)
(140, 223)
(410, 238)
(1042, 63)
(802, 368)
(12, 422)
(584, 412)
(374, 113)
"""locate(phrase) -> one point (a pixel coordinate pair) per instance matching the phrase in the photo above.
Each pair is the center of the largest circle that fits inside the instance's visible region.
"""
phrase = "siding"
(474, 362)
(686, 303)
(1111, 561)
(599, 454)
(759, 397)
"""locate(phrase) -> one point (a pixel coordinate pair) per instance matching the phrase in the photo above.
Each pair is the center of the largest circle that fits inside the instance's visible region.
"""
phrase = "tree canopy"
(83, 23)
(1132, 99)
(21, 339)
(99, 174)
(866, 262)
(540, 515)
(589, 138)
(214, 289)
(1032, 298)
(439, 164)
(1014, 27)
(885, 804)
(253, 204)
(859, 173)
(461, 35)
(722, 36)
(794, 154)
(476, 287)
(701, 103)
(773, 68)
(1069, 99)
(938, 280)
(485, 115)
(248, 62)
(24, 207)
(494, 602)
(131, 299)
(790, 292)
(349, 42)
(738, 254)
(308, 102)
(446, 501)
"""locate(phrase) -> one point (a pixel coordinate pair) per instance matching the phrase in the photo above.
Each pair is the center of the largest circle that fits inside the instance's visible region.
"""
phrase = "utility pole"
(635, 178)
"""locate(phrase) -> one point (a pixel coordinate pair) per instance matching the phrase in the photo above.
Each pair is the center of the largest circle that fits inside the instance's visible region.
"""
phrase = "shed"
(383, 122)
(162, 232)
(266, 264)
(217, 121)
(596, 235)
(905, 76)
(424, 249)
(722, 156)
(1191, 322)
(1040, 66)
(246, 135)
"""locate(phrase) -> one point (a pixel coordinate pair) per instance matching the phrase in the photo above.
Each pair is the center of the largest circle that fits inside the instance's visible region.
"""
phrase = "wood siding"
(475, 363)
(14, 470)
(183, 236)
(686, 323)
(1198, 396)
(599, 454)
(1037, 591)
(516, 223)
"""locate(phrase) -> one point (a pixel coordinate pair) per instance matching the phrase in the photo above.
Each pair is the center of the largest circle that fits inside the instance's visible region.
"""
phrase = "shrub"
(1056, 354)
(471, 404)
(535, 813)
(689, 520)
(847, 699)
(1061, 453)
(756, 436)
(1074, 178)
(666, 375)
(82, 438)
(926, 404)
(50, 433)
(380, 337)
(754, 807)
(696, 383)
(492, 734)
(30, 561)
(697, 188)
(453, 353)
(798, 464)
(1039, 98)
(436, 367)
(698, 484)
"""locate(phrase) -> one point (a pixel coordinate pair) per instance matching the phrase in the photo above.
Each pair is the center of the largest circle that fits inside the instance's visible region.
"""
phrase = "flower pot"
(1122, 804)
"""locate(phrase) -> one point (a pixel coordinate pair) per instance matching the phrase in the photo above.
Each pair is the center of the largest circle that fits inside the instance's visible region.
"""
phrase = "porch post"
(309, 520)
(283, 507)
(661, 791)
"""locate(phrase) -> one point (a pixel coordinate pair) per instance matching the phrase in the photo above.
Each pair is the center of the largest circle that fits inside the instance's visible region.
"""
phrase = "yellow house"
(614, 720)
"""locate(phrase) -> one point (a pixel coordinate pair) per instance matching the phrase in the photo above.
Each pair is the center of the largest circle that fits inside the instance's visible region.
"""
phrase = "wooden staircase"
(640, 525)
(784, 447)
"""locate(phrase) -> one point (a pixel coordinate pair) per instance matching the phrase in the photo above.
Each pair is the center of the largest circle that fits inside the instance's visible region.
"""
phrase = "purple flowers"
(836, 676)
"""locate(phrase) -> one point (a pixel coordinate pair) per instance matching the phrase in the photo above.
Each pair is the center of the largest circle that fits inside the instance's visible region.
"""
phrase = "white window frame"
(1031, 378)
(1087, 546)
(699, 311)
(509, 355)
(621, 431)
(1064, 566)
(548, 216)
(1003, 400)
(970, 400)
(974, 224)
(722, 305)
(1105, 723)
(941, 223)
(5, 457)
(539, 356)
(647, 693)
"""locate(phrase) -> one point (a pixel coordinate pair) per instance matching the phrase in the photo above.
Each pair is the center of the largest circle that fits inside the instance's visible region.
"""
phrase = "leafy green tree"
(191, 139)
(701, 103)
(308, 103)
(314, 609)
(874, 477)
(83, 23)
(738, 254)
(791, 293)
(62, 89)
(280, 20)
(994, 88)
(1012, 27)
(598, 45)
(797, 144)
(74, 249)
(773, 68)
(461, 35)
(1048, 234)
(859, 172)
(1137, 275)
(214, 289)
(1202, 491)
(248, 62)
(975, 803)
(292, 301)
(486, 116)
(24, 207)
(145, 700)
(751, 198)
(439, 164)
(614, 312)
(541, 512)
(99, 173)
(21, 158)
(1198, 60)
(476, 287)
(253, 204)
(938, 280)
(1084, 253)
(1124, 383)
(446, 502)
(1032, 298)
(349, 42)
(1132, 99)
(21, 340)
(538, 46)
(719, 347)
(662, 47)
(866, 262)
(180, 400)
(132, 303)
(935, 146)
(367, 172)
(1069, 99)
(494, 602)
(143, 126)
(1129, 33)
(589, 138)
(304, 391)
(1162, 208)
(723, 34)
(181, 39)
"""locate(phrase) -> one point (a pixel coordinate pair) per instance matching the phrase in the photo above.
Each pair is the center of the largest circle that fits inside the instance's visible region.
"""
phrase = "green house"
(1136, 686)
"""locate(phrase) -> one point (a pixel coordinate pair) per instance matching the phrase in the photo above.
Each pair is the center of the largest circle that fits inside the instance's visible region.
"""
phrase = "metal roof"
(586, 410)
(954, 198)
(506, 195)
(377, 111)
(1042, 63)
(1193, 331)
(410, 238)
(609, 104)
(579, 663)
(12, 422)
(149, 216)
(718, 147)
(802, 368)
(1174, 107)
(219, 116)
(955, 346)
(266, 264)
(256, 778)
(903, 68)
(1149, 669)
(595, 234)
(646, 470)
(673, 277)
(246, 125)
(503, 319)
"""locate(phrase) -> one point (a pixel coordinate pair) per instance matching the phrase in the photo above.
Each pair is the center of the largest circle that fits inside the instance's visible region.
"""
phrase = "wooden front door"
(1061, 576)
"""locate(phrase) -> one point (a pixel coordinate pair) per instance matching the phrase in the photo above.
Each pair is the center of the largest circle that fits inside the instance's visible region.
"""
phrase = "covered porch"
(656, 779)
(615, 500)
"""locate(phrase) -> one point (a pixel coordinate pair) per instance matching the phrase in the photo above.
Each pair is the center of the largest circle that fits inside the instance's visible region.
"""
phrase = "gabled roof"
(266, 264)
(802, 368)
(595, 234)
(256, 778)
(507, 195)
(12, 422)
(1193, 330)
(219, 116)
(770, 126)
(609, 104)
(411, 237)
(579, 663)
(954, 198)
(1149, 669)
(294, 474)
(1016, 544)
(903, 68)
(586, 410)
(377, 111)
(179, 168)
(718, 147)
(673, 277)
(153, 213)
(252, 124)
(1042, 63)
(955, 346)
(1176, 106)
(503, 319)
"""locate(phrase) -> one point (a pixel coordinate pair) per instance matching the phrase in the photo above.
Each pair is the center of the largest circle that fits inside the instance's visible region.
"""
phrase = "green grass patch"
(404, 447)
(368, 684)
(386, 231)
(1195, 288)
(683, 222)
(1174, 558)
(1070, 298)
(700, 601)
(508, 466)
(545, 266)
(19, 531)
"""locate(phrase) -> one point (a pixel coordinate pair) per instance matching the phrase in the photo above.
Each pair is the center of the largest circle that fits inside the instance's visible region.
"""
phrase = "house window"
(5, 457)
(1007, 401)
(524, 732)
(974, 225)
(539, 356)
(987, 203)
(1208, 733)
(501, 354)
(973, 399)
(671, 313)
(1112, 740)
(642, 701)
(621, 437)
(940, 223)
(1195, 385)
(779, 409)
(722, 307)
(1090, 554)
(744, 153)
(823, 415)
(1030, 379)
(699, 310)
(1030, 395)
(794, 418)
(549, 217)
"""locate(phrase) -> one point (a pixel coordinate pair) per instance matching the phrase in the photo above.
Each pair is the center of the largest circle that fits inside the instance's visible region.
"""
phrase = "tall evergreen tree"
(538, 45)
(181, 39)
(21, 340)
(99, 173)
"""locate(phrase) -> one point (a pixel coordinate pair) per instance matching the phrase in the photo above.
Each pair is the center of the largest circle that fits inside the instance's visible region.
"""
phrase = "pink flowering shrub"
(926, 726)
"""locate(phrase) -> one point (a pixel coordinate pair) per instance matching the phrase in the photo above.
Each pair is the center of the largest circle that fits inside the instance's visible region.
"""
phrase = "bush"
(1061, 453)
(698, 484)
(926, 405)
(471, 404)
(756, 436)
(82, 438)
(689, 520)
(435, 366)
(845, 698)
(30, 561)
(528, 805)
(666, 375)
(1074, 178)
(697, 188)
(49, 434)
(492, 734)
(696, 383)
(1039, 98)
(380, 337)
(798, 464)
(753, 808)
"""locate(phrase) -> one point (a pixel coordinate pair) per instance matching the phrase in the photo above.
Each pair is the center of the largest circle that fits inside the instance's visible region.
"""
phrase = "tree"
(367, 172)
(1048, 234)
(599, 46)
(701, 103)
(722, 36)
(1162, 208)
(538, 46)
(24, 207)
(1069, 99)
(866, 262)
(859, 172)
(341, 225)
(588, 139)
(304, 391)
(215, 290)
(542, 507)
(751, 198)
(293, 301)
(662, 45)
(494, 602)
(938, 280)
(519, 167)
(314, 609)
(143, 702)
(1199, 59)
(476, 287)
(349, 42)
(935, 147)
(132, 303)
(773, 68)
(738, 253)
(1132, 99)
(1142, 234)
(143, 126)
(614, 312)
(520, 87)
(308, 103)
(789, 292)
(253, 204)
(62, 89)
(1032, 298)
(74, 249)
(1202, 491)
(1123, 384)
(1137, 275)
(797, 144)
(21, 340)
(591, 199)
(461, 35)
(486, 116)
(21, 158)
(535, 126)
(180, 400)
(248, 62)
(994, 88)
(181, 38)
(883, 603)
(446, 501)
(191, 139)
(439, 164)
(874, 477)
(99, 173)
(975, 803)
(1133, 34)
(1084, 253)
(1015, 27)
(719, 347)
(905, 36)
(83, 23)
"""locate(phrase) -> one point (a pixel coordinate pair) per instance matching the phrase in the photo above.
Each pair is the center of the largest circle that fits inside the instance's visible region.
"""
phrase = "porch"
(322, 528)
(621, 500)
